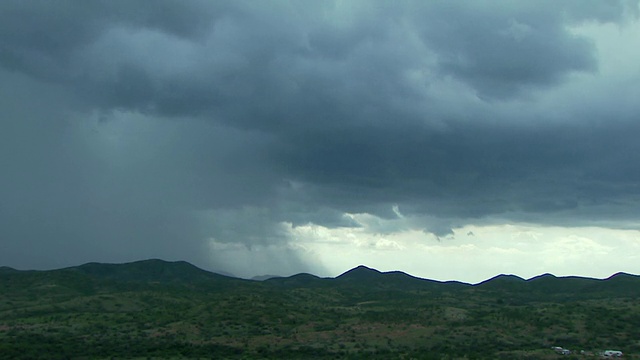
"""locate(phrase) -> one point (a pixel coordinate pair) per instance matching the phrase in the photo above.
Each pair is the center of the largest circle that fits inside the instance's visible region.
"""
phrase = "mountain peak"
(360, 272)
(264, 277)
(542, 277)
(503, 279)
(508, 277)
(621, 275)
(297, 280)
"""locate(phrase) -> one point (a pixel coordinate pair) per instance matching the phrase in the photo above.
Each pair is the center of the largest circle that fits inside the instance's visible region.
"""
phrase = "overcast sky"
(447, 139)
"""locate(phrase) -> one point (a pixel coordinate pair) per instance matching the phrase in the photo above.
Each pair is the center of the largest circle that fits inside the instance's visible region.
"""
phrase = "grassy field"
(157, 309)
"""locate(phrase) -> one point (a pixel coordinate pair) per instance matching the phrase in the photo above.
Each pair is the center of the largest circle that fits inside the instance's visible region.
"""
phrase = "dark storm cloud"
(135, 128)
(502, 48)
(151, 58)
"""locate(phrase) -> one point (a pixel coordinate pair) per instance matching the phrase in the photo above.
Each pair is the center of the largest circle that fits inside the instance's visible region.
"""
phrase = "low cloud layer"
(130, 131)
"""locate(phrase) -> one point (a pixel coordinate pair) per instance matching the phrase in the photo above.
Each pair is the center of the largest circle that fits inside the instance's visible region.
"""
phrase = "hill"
(7, 269)
(150, 271)
(163, 309)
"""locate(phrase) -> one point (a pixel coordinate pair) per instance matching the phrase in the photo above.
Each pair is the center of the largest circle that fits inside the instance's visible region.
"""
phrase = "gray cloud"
(125, 122)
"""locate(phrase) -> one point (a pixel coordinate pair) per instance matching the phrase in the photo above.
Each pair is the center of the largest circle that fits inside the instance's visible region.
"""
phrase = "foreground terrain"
(158, 309)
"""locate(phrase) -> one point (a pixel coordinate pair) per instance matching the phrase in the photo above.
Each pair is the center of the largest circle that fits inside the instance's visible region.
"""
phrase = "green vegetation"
(157, 309)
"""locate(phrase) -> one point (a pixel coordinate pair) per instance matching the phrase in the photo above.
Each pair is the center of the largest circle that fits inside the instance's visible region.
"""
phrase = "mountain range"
(155, 308)
(177, 271)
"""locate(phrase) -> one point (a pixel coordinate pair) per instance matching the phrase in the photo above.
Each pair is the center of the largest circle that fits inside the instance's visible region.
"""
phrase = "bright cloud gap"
(472, 253)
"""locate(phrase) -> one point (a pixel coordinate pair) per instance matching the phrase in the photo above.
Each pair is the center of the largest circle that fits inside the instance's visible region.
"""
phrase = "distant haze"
(447, 139)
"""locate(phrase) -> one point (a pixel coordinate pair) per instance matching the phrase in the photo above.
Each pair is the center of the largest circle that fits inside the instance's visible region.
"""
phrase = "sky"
(452, 140)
